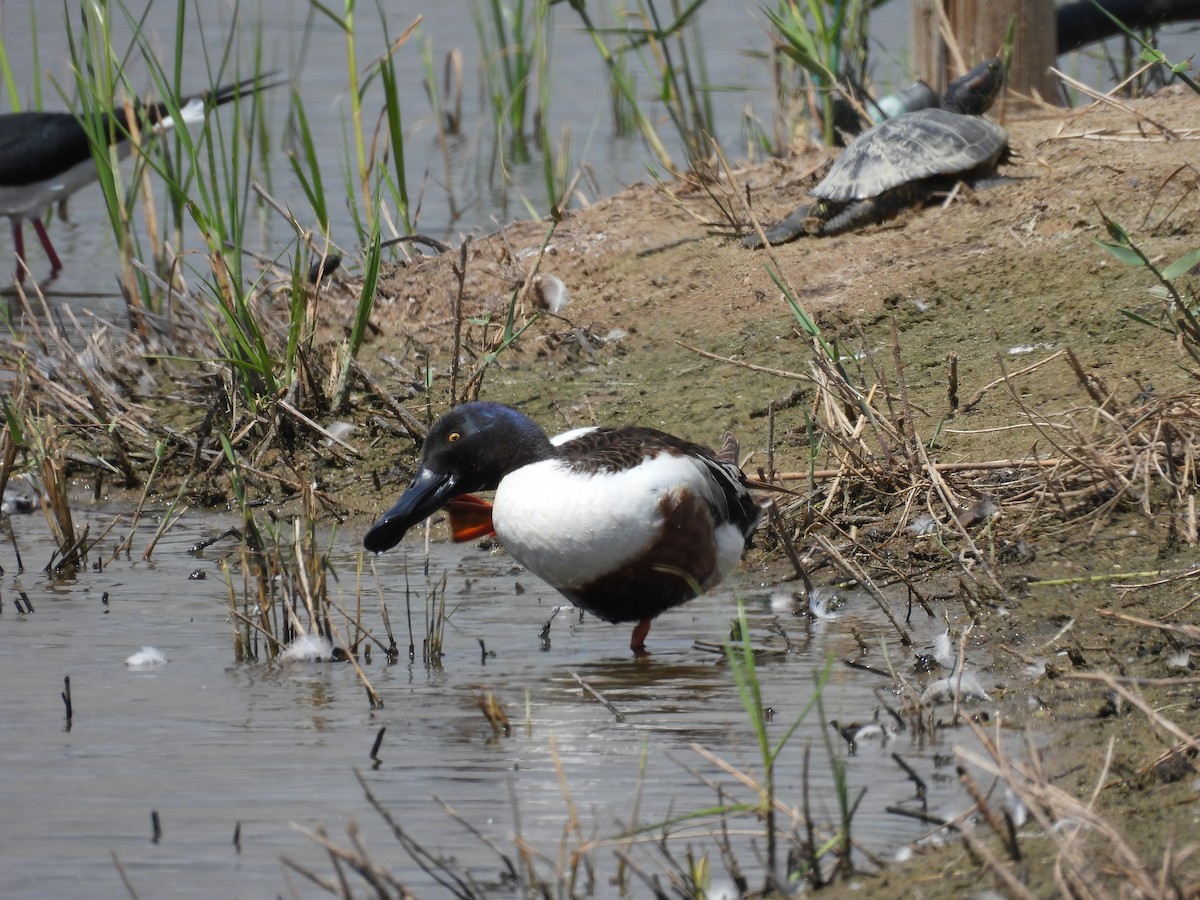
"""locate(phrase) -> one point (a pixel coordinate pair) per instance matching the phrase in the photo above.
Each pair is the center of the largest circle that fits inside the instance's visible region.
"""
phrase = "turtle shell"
(909, 148)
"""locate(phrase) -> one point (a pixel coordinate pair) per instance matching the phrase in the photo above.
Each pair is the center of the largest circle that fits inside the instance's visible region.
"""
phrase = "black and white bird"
(625, 521)
(46, 156)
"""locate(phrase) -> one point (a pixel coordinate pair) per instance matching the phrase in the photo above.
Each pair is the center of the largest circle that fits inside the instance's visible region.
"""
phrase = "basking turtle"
(901, 160)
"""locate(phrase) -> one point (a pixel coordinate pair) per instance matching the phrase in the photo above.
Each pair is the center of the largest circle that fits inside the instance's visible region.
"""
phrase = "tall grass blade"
(741, 656)
(1150, 53)
(362, 317)
(305, 163)
(623, 83)
(391, 93)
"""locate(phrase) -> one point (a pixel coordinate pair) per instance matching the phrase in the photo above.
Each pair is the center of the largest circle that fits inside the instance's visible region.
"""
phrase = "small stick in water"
(916, 779)
(484, 652)
(603, 701)
(156, 825)
(66, 695)
(375, 747)
(237, 837)
(12, 535)
(544, 634)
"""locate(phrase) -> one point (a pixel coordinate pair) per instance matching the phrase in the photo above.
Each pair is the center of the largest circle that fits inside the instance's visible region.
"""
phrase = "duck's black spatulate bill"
(427, 493)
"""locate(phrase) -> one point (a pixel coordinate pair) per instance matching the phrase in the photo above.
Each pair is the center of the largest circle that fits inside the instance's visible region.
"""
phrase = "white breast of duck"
(626, 521)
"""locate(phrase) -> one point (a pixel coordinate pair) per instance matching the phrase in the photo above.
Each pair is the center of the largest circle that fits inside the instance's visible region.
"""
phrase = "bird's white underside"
(31, 199)
(571, 528)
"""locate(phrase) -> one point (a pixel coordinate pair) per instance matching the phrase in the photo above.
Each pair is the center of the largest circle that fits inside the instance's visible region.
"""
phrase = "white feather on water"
(821, 602)
(307, 648)
(943, 650)
(965, 684)
(146, 657)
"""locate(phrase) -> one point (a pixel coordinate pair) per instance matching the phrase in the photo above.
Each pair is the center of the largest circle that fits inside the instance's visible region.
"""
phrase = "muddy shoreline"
(672, 323)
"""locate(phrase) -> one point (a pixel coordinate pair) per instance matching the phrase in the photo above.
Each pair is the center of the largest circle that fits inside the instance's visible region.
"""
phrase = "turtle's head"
(974, 92)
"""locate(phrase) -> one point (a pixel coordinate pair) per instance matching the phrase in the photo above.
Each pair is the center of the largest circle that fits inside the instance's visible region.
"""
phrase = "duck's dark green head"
(468, 449)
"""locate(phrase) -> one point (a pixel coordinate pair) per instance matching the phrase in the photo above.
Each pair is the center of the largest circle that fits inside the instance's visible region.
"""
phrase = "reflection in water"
(209, 744)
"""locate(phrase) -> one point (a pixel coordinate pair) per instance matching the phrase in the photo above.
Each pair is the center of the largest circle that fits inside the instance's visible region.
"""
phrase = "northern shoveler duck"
(626, 522)
(46, 156)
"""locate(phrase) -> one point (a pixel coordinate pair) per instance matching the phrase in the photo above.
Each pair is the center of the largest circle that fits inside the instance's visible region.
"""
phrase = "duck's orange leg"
(637, 643)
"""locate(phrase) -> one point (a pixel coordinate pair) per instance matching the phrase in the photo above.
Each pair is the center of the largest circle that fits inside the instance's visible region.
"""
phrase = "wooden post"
(979, 28)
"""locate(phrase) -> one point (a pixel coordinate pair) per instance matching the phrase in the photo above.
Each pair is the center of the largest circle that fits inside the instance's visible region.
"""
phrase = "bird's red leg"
(637, 643)
(55, 263)
(19, 247)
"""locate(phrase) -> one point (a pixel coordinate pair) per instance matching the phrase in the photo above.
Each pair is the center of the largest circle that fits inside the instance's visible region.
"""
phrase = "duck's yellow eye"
(453, 436)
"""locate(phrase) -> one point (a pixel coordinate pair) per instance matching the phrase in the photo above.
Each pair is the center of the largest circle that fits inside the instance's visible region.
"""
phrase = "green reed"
(509, 37)
(302, 156)
(345, 22)
(1140, 45)
(675, 58)
(1180, 316)
(366, 159)
(827, 39)
(668, 46)
(395, 178)
(210, 177)
(206, 172)
(741, 655)
(783, 865)
(622, 83)
(97, 80)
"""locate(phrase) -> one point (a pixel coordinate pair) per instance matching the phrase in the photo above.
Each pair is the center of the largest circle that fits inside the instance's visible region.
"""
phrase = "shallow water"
(471, 187)
(209, 744)
(474, 186)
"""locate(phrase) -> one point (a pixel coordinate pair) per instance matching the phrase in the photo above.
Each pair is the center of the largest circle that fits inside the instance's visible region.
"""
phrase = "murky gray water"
(209, 744)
